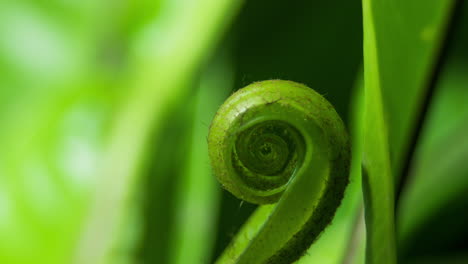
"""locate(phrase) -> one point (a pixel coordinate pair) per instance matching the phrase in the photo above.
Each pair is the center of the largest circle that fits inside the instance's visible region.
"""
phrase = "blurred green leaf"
(198, 192)
(165, 55)
(401, 40)
(47, 169)
(436, 192)
(54, 111)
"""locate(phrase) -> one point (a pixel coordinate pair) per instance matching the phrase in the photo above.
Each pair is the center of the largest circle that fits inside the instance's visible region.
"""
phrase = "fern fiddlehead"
(281, 142)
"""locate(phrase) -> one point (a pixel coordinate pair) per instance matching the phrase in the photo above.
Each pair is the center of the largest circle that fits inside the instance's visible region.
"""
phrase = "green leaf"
(440, 166)
(401, 39)
(197, 197)
(53, 112)
(164, 56)
(47, 167)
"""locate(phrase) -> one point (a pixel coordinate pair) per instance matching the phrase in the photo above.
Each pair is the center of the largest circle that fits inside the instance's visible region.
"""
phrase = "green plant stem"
(377, 176)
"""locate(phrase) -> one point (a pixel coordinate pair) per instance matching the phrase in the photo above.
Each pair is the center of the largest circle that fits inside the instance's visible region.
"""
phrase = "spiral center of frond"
(267, 148)
(266, 154)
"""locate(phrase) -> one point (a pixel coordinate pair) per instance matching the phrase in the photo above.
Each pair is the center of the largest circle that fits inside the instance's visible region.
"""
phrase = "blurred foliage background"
(105, 108)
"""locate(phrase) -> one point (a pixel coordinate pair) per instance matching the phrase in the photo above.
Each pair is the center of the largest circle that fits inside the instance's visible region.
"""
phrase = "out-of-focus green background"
(105, 108)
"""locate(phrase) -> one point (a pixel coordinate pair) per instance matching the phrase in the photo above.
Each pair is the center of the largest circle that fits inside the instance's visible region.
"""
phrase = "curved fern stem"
(281, 143)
